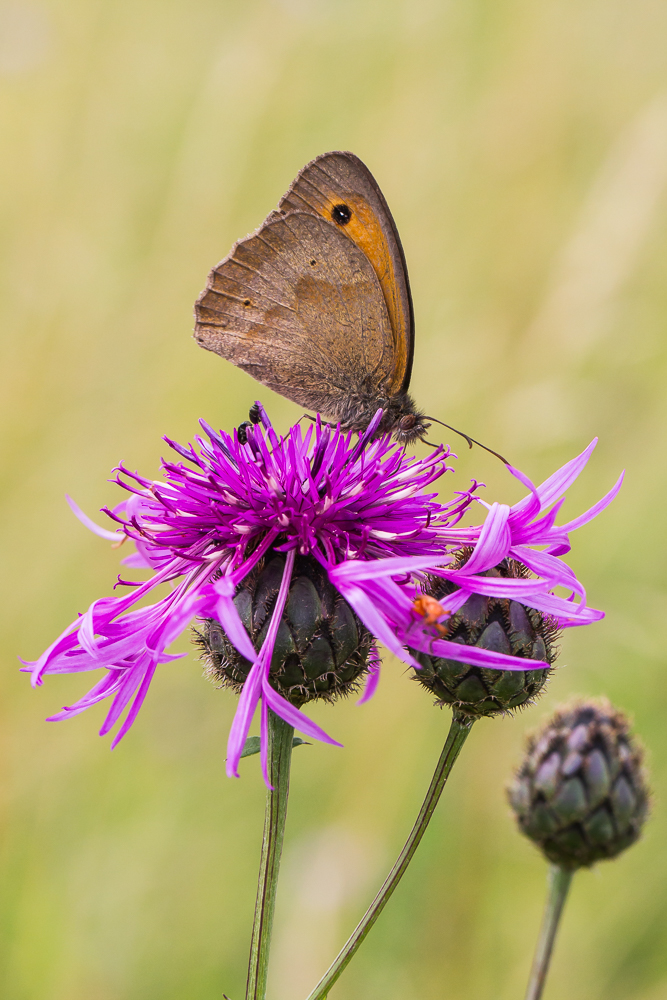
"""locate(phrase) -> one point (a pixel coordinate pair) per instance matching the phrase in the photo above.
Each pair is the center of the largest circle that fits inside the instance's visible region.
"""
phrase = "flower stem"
(280, 756)
(559, 883)
(456, 737)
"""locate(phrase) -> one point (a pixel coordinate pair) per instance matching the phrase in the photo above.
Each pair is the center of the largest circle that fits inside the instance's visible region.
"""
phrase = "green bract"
(501, 625)
(322, 648)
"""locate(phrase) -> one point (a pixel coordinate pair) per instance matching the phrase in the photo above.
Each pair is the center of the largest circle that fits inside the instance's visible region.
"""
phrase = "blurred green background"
(522, 147)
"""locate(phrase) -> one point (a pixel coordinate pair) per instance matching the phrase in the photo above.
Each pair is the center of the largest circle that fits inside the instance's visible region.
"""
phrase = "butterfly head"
(410, 427)
(400, 418)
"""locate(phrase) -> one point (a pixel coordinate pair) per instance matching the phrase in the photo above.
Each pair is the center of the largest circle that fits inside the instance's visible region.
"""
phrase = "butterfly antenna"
(471, 441)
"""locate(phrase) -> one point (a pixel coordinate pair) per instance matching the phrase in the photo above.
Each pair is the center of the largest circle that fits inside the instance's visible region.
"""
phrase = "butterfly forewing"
(299, 307)
(341, 189)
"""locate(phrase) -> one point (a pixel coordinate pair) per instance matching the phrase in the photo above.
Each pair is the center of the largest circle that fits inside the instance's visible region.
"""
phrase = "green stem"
(456, 737)
(279, 760)
(559, 883)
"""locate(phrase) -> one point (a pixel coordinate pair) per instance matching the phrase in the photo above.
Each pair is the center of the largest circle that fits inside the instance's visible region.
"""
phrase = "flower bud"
(322, 648)
(501, 625)
(581, 791)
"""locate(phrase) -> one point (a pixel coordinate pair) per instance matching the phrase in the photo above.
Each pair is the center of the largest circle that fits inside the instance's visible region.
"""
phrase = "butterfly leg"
(325, 423)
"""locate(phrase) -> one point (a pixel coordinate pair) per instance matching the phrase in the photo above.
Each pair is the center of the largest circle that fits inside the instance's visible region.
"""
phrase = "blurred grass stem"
(456, 737)
(279, 761)
(559, 883)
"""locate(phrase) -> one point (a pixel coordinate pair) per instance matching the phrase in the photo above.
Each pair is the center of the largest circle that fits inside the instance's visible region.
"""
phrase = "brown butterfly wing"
(341, 179)
(298, 306)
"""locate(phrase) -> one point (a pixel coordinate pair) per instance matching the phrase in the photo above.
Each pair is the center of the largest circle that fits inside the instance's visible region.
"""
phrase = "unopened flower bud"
(501, 625)
(581, 791)
(322, 648)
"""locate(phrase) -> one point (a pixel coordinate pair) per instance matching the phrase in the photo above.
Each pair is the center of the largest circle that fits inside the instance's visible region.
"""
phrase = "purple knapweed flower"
(357, 506)
(210, 522)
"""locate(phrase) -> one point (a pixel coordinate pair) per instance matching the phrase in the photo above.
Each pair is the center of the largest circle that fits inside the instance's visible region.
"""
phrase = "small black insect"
(255, 417)
(341, 214)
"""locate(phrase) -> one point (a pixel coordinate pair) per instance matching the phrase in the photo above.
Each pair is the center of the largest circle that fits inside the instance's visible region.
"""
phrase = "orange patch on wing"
(365, 230)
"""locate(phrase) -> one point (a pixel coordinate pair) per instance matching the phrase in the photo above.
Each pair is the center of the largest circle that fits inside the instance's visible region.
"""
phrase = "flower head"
(209, 523)
(490, 623)
(357, 506)
(581, 792)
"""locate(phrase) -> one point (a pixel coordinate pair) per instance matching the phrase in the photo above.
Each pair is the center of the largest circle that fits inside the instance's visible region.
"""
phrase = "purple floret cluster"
(359, 506)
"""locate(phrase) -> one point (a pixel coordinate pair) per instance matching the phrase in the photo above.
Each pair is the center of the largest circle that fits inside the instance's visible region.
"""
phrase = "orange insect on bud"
(430, 610)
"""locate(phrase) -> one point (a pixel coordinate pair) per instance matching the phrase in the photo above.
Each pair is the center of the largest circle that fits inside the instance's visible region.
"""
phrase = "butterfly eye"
(341, 214)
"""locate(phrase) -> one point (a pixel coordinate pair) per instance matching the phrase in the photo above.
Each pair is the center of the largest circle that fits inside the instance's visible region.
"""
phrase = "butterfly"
(316, 303)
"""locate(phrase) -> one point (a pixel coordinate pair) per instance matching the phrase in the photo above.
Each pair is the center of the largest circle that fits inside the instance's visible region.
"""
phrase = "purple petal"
(553, 488)
(567, 612)
(129, 681)
(494, 541)
(259, 675)
(496, 586)
(136, 560)
(228, 616)
(373, 678)
(266, 424)
(113, 536)
(99, 692)
(245, 710)
(136, 705)
(242, 571)
(376, 622)
(557, 573)
(294, 717)
(596, 508)
(540, 531)
(64, 642)
(86, 633)
(474, 655)
(532, 504)
(180, 615)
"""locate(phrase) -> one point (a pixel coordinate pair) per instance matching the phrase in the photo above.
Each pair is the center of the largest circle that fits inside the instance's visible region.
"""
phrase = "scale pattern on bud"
(581, 791)
(501, 625)
(322, 648)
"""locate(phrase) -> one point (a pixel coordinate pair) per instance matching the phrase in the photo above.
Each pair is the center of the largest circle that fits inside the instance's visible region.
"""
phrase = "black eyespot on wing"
(247, 302)
(341, 214)
(313, 263)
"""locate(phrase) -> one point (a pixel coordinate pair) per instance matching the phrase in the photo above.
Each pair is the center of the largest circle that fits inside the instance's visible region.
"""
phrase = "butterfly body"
(316, 303)
(401, 418)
